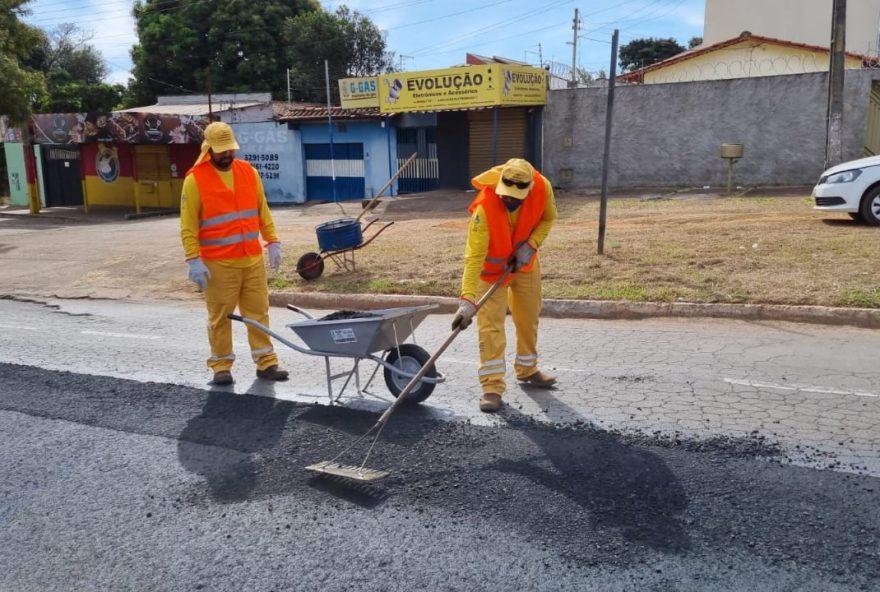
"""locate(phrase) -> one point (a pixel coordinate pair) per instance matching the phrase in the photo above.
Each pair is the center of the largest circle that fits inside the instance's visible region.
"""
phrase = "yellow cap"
(516, 178)
(219, 138)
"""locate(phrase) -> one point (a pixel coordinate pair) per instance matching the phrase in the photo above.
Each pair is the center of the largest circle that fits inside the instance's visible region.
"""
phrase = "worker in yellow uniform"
(510, 219)
(223, 212)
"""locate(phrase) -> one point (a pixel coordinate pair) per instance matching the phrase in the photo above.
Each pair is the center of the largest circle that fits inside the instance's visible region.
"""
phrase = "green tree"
(349, 41)
(694, 42)
(639, 53)
(22, 85)
(227, 45)
(74, 72)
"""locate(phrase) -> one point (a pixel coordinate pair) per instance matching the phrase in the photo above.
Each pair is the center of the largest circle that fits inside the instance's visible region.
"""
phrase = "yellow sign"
(522, 85)
(358, 92)
(483, 85)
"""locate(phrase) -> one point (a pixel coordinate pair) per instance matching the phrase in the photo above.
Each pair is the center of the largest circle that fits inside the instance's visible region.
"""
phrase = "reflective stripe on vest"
(229, 221)
(503, 243)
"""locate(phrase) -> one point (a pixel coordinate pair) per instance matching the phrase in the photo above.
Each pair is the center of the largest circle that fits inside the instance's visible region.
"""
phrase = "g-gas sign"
(358, 92)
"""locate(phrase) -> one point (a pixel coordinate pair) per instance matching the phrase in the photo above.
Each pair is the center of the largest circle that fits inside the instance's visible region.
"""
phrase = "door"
(153, 177)
(490, 146)
(348, 166)
(423, 174)
(63, 176)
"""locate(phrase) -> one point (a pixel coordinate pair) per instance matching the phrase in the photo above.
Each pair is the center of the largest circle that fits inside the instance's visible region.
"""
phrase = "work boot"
(273, 373)
(490, 403)
(540, 379)
(223, 377)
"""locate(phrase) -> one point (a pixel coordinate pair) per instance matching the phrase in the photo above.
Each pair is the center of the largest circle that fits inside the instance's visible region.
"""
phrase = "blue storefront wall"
(372, 141)
(276, 153)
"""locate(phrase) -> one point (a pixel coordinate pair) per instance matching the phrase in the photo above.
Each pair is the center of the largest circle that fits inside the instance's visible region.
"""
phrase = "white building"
(799, 21)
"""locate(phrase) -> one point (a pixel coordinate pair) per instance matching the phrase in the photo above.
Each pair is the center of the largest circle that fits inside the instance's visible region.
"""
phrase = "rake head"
(347, 471)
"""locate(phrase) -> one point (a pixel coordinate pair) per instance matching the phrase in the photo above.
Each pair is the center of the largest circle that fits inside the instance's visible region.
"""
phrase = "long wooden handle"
(430, 363)
(387, 185)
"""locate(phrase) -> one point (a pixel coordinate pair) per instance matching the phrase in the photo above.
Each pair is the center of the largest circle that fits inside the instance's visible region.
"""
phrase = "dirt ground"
(760, 246)
(765, 246)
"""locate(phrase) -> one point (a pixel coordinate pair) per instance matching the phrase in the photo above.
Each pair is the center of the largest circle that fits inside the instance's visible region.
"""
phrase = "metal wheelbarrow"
(377, 336)
(339, 239)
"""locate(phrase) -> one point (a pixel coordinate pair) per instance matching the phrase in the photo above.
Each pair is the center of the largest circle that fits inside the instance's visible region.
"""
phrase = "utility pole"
(402, 56)
(834, 124)
(210, 108)
(288, 88)
(574, 49)
(606, 157)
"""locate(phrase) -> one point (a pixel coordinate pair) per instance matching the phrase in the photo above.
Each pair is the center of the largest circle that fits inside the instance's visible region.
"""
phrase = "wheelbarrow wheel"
(410, 358)
(310, 266)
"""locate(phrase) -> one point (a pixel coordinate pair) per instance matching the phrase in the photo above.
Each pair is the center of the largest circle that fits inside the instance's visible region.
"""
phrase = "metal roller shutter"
(511, 138)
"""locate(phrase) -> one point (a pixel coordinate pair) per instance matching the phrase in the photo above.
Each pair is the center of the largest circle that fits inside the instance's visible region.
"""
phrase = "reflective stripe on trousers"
(245, 288)
(523, 297)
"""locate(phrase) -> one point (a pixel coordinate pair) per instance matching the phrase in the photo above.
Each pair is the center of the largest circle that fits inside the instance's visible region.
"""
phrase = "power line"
(486, 29)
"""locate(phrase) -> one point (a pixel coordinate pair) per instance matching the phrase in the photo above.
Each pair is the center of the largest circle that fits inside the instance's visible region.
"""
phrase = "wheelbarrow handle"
(297, 309)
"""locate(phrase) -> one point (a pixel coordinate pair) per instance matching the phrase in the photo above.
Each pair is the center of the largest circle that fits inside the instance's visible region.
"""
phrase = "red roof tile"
(317, 112)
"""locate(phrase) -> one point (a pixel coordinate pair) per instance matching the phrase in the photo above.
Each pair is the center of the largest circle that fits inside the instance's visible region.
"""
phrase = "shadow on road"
(220, 442)
(622, 487)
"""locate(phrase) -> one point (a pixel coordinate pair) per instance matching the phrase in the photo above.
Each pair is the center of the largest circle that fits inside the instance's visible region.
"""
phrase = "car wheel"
(857, 216)
(870, 209)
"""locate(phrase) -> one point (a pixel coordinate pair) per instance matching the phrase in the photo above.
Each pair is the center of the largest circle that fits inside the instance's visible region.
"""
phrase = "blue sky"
(427, 34)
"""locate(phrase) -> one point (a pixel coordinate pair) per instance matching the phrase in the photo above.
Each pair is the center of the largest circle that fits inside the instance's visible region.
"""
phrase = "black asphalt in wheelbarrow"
(378, 336)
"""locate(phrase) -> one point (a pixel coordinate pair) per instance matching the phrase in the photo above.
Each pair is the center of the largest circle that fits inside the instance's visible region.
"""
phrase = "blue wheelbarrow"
(339, 239)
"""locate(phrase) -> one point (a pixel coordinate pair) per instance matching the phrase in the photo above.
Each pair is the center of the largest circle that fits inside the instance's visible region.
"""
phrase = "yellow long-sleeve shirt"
(477, 245)
(191, 207)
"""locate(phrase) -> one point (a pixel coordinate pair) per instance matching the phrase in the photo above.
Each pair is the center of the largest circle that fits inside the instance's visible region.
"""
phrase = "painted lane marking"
(123, 335)
(802, 388)
(21, 327)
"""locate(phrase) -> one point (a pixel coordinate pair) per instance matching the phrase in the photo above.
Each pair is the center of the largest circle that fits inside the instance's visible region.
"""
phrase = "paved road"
(112, 484)
(811, 392)
(675, 455)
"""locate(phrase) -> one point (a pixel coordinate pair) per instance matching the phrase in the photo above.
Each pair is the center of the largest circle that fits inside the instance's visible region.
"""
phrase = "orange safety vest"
(229, 221)
(502, 243)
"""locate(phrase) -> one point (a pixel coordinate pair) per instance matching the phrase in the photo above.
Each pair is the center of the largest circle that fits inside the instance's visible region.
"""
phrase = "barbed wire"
(739, 68)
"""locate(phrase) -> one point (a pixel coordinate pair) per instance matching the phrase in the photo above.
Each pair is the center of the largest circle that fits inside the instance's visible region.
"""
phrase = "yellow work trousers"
(523, 296)
(246, 288)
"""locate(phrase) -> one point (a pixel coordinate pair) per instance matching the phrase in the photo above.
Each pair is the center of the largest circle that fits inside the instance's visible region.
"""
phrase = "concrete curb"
(868, 318)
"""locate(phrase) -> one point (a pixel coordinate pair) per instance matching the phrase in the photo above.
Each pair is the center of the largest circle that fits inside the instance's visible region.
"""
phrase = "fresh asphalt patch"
(642, 509)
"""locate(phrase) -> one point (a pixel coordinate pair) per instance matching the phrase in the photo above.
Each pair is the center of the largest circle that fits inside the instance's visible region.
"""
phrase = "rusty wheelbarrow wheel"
(410, 358)
(310, 266)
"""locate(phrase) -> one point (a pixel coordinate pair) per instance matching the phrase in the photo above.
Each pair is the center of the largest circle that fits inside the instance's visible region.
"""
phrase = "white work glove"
(198, 273)
(524, 254)
(274, 250)
(464, 315)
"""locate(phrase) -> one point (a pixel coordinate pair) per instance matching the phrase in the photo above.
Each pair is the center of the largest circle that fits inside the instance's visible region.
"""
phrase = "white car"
(852, 187)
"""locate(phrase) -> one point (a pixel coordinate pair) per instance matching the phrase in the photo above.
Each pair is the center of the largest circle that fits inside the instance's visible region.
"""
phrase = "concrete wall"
(747, 59)
(670, 134)
(804, 21)
(276, 152)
